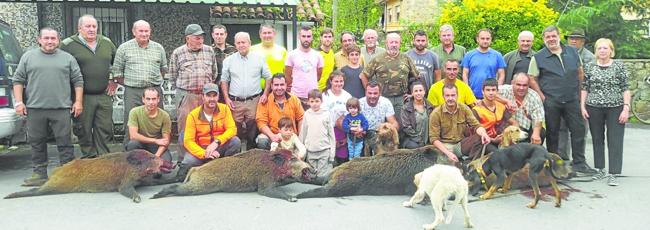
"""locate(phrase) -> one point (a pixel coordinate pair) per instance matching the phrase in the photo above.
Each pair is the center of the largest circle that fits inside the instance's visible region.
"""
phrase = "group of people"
(322, 105)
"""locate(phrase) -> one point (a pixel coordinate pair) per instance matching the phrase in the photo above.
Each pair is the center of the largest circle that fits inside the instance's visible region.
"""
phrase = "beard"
(306, 45)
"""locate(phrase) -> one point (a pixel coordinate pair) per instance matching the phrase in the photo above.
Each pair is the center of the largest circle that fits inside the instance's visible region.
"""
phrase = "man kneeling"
(210, 132)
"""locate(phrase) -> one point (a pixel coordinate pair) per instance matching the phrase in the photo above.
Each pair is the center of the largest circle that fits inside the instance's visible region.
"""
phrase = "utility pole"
(334, 13)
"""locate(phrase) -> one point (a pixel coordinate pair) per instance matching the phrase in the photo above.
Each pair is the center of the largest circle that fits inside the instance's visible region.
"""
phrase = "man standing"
(376, 109)
(325, 50)
(341, 57)
(577, 39)
(48, 73)
(220, 47)
(464, 94)
(448, 122)
(94, 54)
(241, 77)
(191, 66)
(517, 61)
(139, 63)
(280, 104)
(447, 49)
(483, 63)
(150, 126)
(370, 49)
(529, 113)
(556, 75)
(303, 67)
(209, 132)
(393, 71)
(425, 60)
(274, 54)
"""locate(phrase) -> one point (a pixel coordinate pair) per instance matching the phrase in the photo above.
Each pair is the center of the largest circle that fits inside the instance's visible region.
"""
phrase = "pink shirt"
(305, 70)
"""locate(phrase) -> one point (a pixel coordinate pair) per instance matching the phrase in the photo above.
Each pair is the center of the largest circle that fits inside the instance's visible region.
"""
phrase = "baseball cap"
(193, 29)
(210, 87)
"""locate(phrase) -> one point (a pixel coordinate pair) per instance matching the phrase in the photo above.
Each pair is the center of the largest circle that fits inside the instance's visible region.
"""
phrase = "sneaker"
(611, 181)
(601, 174)
(37, 179)
(584, 169)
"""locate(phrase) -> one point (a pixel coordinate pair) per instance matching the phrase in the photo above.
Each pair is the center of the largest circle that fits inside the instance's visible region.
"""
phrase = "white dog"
(440, 182)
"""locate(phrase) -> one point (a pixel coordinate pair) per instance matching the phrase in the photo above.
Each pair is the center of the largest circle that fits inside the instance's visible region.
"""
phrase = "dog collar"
(482, 175)
(478, 165)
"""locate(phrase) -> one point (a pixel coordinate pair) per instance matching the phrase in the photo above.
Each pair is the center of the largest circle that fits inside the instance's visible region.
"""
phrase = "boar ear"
(278, 159)
(136, 157)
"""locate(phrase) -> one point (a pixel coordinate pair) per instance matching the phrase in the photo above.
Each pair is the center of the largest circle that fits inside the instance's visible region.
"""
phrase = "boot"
(37, 179)
(182, 172)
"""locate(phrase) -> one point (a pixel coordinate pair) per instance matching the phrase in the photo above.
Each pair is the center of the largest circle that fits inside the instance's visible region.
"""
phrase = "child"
(355, 126)
(352, 71)
(317, 133)
(289, 140)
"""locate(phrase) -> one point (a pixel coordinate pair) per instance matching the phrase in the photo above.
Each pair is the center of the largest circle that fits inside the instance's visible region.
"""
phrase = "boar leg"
(129, 191)
(274, 192)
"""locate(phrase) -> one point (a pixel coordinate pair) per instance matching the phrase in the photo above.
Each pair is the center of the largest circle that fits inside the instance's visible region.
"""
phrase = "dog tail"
(31, 192)
(314, 193)
(550, 162)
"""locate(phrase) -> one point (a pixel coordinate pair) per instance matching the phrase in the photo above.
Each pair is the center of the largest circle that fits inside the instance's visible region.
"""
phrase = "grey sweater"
(48, 78)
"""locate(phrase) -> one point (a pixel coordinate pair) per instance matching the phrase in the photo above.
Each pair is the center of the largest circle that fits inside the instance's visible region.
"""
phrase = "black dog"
(504, 162)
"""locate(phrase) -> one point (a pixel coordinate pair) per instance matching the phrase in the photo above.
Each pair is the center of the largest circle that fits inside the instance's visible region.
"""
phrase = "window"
(111, 22)
(390, 15)
(397, 13)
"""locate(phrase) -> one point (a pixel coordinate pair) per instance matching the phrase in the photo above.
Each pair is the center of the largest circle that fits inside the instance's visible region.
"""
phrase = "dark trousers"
(152, 148)
(570, 112)
(231, 147)
(38, 122)
(94, 126)
(132, 99)
(601, 120)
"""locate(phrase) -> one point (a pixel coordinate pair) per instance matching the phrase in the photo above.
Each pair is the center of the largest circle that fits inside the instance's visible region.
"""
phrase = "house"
(398, 12)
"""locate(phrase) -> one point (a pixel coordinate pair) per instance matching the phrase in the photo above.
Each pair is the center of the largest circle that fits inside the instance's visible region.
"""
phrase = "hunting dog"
(511, 135)
(387, 139)
(505, 162)
(440, 182)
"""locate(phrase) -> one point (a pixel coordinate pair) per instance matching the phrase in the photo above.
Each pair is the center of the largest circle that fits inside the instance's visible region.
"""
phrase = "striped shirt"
(140, 67)
(190, 70)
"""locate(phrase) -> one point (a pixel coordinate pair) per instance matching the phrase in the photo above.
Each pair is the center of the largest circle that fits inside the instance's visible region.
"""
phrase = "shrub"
(506, 18)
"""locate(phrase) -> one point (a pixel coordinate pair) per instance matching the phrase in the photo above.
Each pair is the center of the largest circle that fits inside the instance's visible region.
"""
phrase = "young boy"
(352, 71)
(355, 126)
(317, 133)
(290, 141)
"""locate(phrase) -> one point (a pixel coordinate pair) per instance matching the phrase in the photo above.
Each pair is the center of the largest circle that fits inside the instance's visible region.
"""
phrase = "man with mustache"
(303, 67)
(341, 57)
(47, 76)
(448, 122)
(370, 49)
(393, 71)
(95, 54)
(556, 75)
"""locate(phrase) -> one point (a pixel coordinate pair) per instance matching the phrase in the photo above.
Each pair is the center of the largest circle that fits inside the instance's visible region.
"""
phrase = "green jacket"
(95, 67)
(511, 58)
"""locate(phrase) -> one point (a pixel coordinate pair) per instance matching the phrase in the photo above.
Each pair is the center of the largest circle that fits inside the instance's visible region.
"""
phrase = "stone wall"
(639, 70)
(53, 17)
(23, 20)
(168, 22)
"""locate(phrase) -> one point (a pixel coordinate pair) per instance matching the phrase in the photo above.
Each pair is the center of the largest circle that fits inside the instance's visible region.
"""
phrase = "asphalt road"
(587, 205)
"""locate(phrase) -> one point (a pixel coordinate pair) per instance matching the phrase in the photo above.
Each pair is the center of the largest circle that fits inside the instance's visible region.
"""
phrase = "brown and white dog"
(511, 135)
(440, 182)
(387, 139)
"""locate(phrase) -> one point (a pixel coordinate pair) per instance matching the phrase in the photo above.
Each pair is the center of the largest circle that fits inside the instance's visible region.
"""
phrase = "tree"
(604, 19)
(506, 19)
(352, 15)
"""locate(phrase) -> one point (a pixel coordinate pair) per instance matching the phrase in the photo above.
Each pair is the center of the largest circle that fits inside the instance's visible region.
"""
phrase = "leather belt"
(243, 98)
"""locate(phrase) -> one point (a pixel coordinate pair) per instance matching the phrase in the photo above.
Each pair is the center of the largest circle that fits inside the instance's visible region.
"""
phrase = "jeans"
(354, 148)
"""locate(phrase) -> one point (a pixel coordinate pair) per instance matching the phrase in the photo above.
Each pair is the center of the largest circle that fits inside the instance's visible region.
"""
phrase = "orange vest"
(489, 119)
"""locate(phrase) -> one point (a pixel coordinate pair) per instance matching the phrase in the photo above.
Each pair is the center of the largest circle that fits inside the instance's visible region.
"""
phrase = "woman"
(414, 118)
(334, 99)
(605, 102)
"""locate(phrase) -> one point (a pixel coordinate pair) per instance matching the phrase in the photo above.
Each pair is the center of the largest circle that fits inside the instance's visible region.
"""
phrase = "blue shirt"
(482, 66)
(355, 121)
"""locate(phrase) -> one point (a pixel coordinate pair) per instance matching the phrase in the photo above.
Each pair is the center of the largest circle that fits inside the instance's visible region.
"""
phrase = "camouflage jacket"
(394, 74)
